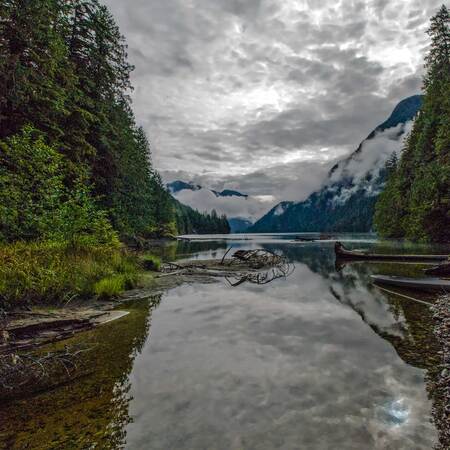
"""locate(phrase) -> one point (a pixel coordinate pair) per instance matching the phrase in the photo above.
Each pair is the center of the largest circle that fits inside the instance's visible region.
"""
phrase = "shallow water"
(319, 360)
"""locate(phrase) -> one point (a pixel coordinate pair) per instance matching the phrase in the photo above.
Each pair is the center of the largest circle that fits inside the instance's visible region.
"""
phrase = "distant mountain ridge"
(228, 193)
(347, 200)
(177, 186)
(239, 225)
(206, 200)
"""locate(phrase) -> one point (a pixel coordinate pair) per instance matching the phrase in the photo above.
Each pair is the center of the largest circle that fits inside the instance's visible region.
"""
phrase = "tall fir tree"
(65, 77)
(416, 201)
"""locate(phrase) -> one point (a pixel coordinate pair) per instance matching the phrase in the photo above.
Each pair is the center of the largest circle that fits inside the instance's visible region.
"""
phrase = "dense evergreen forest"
(73, 162)
(416, 201)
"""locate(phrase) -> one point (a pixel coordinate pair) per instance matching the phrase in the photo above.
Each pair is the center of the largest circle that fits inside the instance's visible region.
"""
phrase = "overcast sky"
(261, 95)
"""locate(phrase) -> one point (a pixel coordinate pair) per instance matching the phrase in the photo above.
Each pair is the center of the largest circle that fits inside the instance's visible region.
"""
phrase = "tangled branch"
(17, 370)
(243, 266)
(257, 258)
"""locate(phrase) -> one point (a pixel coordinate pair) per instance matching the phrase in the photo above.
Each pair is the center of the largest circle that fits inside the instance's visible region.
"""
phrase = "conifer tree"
(416, 201)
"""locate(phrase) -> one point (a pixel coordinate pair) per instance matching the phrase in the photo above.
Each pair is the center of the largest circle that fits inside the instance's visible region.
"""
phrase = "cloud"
(374, 153)
(364, 168)
(205, 200)
(230, 88)
(264, 187)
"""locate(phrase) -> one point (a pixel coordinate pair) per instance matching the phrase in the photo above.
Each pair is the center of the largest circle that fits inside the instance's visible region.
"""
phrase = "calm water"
(320, 360)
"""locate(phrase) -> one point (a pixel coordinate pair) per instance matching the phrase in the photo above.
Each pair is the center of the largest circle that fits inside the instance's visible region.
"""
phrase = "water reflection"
(93, 411)
(319, 360)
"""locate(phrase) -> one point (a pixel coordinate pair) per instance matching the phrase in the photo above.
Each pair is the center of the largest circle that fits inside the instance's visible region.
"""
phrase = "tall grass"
(49, 272)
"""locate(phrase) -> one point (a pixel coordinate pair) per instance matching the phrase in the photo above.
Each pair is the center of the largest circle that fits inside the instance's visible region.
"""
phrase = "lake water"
(319, 360)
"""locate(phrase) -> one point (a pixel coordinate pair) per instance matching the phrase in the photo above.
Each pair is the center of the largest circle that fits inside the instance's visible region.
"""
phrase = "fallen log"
(422, 284)
(343, 253)
(442, 270)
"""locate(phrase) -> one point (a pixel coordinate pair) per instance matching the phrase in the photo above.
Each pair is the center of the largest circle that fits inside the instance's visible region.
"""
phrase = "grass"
(151, 262)
(54, 273)
(110, 287)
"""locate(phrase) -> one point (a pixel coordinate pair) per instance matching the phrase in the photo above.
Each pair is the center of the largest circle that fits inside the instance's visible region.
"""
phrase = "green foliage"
(75, 170)
(111, 286)
(416, 201)
(31, 186)
(56, 272)
(35, 204)
(151, 262)
(67, 130)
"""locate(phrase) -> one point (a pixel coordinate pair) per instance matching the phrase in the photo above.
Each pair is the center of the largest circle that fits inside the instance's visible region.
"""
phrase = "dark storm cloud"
(270, 89)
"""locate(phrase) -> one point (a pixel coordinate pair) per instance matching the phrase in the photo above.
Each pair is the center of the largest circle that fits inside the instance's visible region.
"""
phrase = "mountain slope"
(239, 225)
(347, 200)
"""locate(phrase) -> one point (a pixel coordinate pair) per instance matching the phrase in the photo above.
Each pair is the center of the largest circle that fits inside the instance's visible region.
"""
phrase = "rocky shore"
(441, 387)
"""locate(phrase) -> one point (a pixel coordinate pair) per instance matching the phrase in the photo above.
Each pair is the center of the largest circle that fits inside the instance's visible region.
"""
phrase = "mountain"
(177, 186)
(228, 193)
(347, 200)
(239, 224)
(239, 207)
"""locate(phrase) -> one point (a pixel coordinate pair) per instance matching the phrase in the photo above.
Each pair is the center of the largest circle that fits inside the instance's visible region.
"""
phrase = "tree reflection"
(91, 412)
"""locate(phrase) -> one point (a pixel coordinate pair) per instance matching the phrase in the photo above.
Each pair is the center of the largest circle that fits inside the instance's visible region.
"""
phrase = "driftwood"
(256, 266)
(422, 284)
(21, 369)
(342, 253)
(440, 270)
(322, 237)
(257, 259)
(264, 277)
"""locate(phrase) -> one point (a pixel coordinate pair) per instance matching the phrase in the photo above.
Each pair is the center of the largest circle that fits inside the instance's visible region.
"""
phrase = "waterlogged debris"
(422, 284)
(256, 266)
(257, 259)
(342, 253)
(35, 371)
(442, 270)
(26, 330)
(280, 267)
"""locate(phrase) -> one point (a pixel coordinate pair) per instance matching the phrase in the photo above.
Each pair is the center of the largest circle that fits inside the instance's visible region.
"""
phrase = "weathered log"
(440, 270)
(342, 253)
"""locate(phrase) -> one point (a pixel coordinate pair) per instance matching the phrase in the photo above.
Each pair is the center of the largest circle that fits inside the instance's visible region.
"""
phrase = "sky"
(263, 96)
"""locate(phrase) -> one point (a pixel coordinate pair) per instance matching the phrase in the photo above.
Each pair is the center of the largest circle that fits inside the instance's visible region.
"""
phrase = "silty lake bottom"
(319, 360)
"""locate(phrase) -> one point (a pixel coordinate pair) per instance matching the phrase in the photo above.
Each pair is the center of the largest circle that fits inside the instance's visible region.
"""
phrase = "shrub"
(151, 262)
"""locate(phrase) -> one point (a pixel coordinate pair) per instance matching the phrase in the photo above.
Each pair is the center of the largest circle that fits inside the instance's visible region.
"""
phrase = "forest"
(415, 203)
(76, 175)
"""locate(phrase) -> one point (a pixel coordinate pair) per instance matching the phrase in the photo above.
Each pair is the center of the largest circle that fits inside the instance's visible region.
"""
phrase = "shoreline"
(38, 326)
